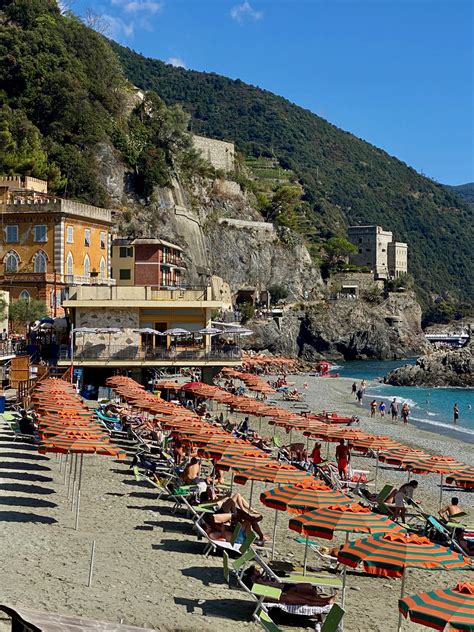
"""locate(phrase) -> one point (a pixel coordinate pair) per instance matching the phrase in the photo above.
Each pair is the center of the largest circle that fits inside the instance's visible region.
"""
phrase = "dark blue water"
(431, 408)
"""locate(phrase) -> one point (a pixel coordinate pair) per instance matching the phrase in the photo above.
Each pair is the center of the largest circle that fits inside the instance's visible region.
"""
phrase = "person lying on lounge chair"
(451, 511)
(292, 594)
(230, 511)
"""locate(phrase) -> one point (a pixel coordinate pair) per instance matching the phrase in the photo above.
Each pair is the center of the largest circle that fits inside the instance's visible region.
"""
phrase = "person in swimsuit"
(342, 457)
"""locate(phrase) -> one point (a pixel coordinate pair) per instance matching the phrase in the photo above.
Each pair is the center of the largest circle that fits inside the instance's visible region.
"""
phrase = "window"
(125, 275)
(360, 250)
(12, 261)
(102, 268)
(41, 233)
(125, 251)
(70, 234)
(87, 237)
(25, 295)
(11, 234)
(40, 262)
(69, 264)
(87, 266)
(103, 241)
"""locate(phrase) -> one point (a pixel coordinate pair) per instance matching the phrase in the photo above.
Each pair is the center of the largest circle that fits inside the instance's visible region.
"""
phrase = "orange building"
(48, 243)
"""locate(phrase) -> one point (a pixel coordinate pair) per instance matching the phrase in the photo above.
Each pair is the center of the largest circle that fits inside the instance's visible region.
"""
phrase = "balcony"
(75, 279)
(141, 296)
(104, 354)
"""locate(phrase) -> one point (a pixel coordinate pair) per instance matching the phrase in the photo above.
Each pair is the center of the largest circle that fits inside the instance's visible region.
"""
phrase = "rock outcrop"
(438, 368)
(344, 329)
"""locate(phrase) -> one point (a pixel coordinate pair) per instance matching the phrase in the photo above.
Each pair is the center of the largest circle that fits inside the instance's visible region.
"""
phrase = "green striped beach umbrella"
(391, 554)
(448, 609)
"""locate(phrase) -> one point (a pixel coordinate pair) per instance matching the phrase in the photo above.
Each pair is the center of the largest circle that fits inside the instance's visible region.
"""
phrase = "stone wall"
(125, 319)
(219, 153)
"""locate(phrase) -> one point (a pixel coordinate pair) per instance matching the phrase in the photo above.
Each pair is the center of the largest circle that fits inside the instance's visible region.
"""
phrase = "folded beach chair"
(11, 420)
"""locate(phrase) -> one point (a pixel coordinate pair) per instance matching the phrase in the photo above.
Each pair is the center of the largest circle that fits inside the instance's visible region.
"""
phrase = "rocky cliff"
(437, 368)
(344, 329)
(217, 226)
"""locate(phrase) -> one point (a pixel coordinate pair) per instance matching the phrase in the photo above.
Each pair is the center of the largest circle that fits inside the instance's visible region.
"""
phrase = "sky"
(397, 73)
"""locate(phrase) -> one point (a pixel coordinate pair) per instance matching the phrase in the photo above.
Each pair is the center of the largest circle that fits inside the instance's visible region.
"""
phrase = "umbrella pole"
(305, 555)
(376, 470)
(74, 483)
(251, 494)
(70, 475)
(291, 430)
(65, 468)
(408, 478)
(327, 453)
(78, 502)
(231, 482)
(274, 534)
(402, 592)
(441, 491)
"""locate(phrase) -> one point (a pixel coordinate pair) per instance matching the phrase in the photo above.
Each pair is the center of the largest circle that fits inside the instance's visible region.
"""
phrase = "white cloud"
(176, 61)
(138, 6)
(245, 11)
(116, 28)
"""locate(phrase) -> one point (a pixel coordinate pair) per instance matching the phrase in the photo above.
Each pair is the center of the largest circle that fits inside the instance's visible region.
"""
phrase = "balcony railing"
(75, 279)
(103, 352)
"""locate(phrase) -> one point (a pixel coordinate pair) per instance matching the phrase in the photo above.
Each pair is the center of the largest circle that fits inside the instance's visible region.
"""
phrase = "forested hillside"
(466, 191)
(346, 179)
(63, 95)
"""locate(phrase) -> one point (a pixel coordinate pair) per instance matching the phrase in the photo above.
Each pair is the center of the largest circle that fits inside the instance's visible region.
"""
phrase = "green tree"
(281, 209)
(278, 293)
(24, 312)
(338, 250)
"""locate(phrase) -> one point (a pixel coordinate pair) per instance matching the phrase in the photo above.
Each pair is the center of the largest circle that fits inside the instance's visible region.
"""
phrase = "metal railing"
(145, 354)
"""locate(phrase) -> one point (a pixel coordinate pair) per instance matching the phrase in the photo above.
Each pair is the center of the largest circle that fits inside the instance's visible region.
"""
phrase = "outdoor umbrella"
(210, 331)
(462, 479)
(271, 472)
(322, 523)
(443, 609)
(299, 498)
(436, 465)
(176, 332)
(391, 554)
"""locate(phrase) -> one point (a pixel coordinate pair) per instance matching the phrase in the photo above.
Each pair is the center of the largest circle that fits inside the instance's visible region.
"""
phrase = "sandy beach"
(149, 568)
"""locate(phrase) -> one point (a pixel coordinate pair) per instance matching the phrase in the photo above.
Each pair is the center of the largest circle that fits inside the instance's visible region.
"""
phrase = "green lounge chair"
(267, 623)
(330, 624)
(333, 619)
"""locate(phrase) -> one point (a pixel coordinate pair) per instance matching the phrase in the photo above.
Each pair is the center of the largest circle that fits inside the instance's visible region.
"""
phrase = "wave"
(431, 414)
(450, 427)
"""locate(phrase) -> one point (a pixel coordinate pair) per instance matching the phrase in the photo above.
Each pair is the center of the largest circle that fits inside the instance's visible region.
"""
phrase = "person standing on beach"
(405, 413)
(354, 390)
(394, 409)
(363, 385)
(360, 396)
(382, 409)
(343, 458)
(455, 413)
(373, 408)
(316, 456)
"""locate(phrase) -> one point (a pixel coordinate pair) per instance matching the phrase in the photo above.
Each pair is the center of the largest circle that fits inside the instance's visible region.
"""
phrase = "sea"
(430, 408)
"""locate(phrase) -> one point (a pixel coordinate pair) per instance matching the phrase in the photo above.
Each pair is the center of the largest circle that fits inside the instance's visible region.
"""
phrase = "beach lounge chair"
(437, 532)
(222, 545)
(381, 497)
(11, 420)
(329, 560)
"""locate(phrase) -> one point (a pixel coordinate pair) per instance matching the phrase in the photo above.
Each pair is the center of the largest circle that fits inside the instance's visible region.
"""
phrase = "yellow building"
(133, 318)
(48, 243)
